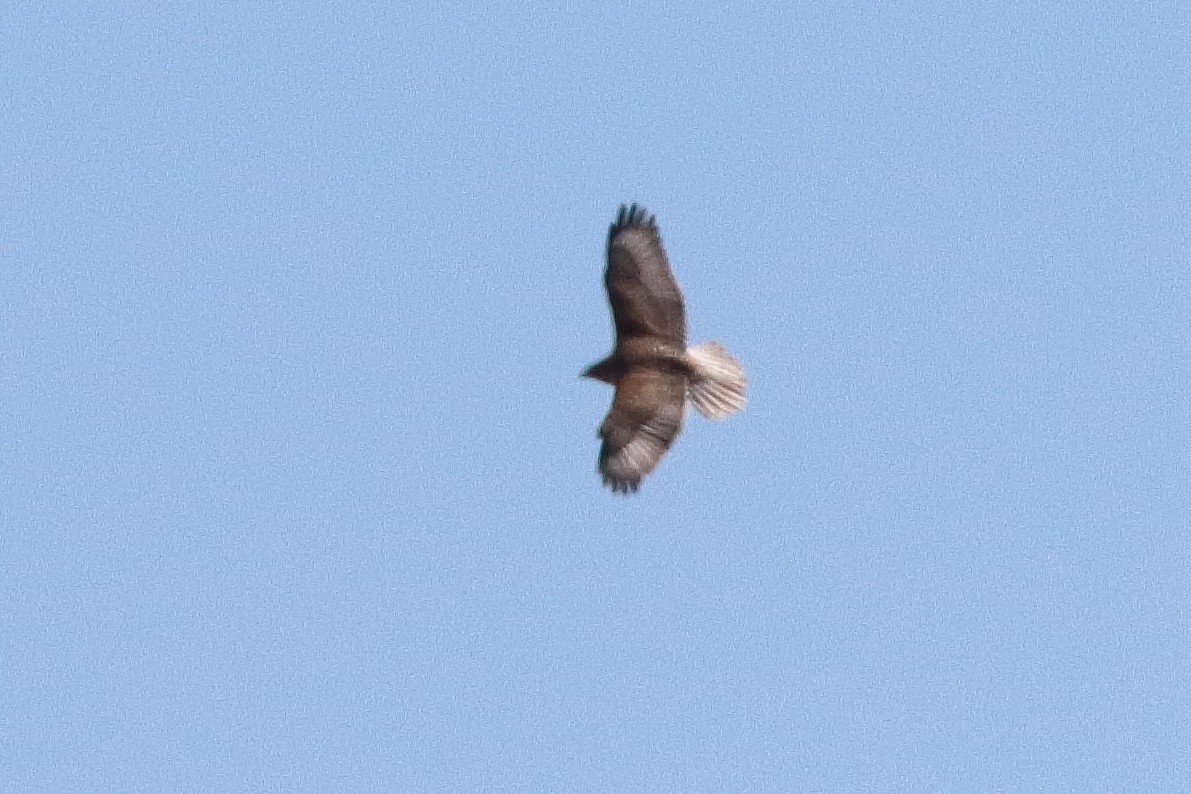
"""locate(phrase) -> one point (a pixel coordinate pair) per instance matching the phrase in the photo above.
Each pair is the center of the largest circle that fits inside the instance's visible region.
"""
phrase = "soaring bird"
(653, 370)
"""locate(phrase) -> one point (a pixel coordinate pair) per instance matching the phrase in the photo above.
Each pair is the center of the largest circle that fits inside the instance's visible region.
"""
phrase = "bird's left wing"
(645, 297)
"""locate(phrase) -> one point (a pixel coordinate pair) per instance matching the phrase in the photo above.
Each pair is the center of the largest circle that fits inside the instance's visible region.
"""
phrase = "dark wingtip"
(632, 216)
(625, 487)
(618, 484)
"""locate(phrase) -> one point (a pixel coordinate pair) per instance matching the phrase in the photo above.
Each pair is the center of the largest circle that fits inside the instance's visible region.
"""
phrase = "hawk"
(653, 370)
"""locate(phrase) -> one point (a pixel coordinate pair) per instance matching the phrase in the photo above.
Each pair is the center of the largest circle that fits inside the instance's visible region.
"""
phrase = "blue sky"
(300, 488)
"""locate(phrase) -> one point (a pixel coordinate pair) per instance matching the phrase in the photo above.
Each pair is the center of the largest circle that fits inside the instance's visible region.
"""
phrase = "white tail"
(718, 385)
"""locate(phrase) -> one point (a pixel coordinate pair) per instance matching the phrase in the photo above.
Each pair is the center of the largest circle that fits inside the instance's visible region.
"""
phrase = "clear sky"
(299, 487)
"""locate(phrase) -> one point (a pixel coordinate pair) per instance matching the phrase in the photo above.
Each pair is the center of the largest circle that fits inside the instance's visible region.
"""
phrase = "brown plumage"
(651, 367)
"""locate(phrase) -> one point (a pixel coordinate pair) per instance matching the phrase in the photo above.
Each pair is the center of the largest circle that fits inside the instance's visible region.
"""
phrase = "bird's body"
(651, 367)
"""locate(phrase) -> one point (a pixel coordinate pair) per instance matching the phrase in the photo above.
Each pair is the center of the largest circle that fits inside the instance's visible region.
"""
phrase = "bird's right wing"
(645, 418)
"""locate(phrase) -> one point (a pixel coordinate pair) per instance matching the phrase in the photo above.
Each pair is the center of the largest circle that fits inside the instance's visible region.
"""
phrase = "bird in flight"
(653, 370)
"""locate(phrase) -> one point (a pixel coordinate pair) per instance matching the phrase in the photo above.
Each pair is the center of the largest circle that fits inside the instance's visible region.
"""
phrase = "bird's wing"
(645, 298)
(645, 418)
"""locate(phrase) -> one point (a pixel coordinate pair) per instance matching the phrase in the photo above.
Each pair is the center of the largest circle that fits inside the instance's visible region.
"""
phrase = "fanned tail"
(717, 389)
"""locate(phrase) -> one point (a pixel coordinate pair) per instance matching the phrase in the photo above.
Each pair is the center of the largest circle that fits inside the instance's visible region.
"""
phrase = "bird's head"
(606, 371)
